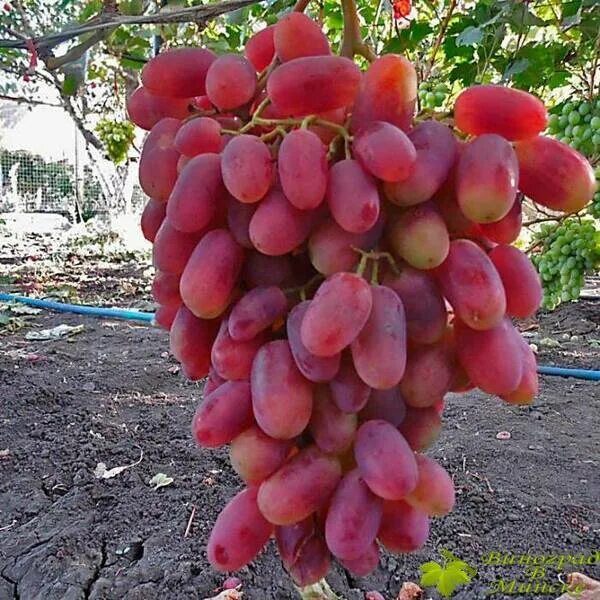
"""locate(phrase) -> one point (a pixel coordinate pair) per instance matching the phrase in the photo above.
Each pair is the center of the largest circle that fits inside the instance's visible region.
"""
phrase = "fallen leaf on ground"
(101, 471)
(160, 480)
(55, 333)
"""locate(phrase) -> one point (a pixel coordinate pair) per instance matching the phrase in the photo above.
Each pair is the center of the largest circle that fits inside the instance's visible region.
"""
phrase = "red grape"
(199, 136)
(385, 151)
(152, 218)
(165, 315)
(256, 311)
(313, 84)
(507, 229)
(297, 35)
(260, 48)
(300, 487)
(173, 248)
(332, 430)
(388, 92)
(239, 216)
(353, 517)
(267, 270)
(239, 533)
(364, 564)
(434, 494)
(230, 82)
(486, 180)
(146, 109)
(254, 455)
(349, 392)
(528, 387)
(178, 73)
(511, 113)
(554, 174)
(379, 350)
(247, 168)
(165, 288)
(385, 405)
(223, 414)
(197, 192)
(314, 368)
(471, 284)
(326, 330)
(302, 165)
(385, 460)
(281, 396)
(352, 196)
(424, 306)
(421, 427)
(403, 528)
(213, 381)
(521, 281)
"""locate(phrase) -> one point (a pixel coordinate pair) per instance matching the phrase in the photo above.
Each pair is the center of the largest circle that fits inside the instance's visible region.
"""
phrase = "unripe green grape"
(584, 108)
(574, 118)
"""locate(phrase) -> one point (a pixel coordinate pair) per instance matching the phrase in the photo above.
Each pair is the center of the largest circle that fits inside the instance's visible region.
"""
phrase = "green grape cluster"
(578, 124)
(117, 137)
(432, 95)
(570, 250)
(595, 205)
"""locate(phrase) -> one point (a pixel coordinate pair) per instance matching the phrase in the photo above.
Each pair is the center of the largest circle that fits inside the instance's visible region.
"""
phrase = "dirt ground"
(112, 395)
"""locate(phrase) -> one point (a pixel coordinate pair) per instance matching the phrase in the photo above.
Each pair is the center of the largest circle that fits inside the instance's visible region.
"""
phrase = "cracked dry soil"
(107, 395)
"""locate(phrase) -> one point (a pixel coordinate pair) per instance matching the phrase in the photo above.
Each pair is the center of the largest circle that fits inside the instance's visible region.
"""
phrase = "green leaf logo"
(448, 576)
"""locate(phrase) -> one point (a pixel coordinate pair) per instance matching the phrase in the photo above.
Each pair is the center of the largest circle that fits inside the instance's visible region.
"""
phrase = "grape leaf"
(470, 36)
(431, 576)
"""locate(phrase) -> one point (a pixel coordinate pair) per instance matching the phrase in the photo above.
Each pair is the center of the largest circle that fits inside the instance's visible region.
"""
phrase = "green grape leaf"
(431, 577)
(470, 36)
(449, 580)
(432, 565)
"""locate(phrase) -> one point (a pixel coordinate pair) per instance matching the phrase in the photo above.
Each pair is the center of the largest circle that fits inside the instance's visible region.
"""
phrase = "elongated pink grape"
(385, 460)
(388, 92)
(365, 564)
(260, 49)
(424, 306)
(511, 113)
(232, 359)
(239, 533)
(379, 350)
(165, 315)
(434, 494)
(223, 414)
(178, 73)
(419, 236)
(199, 136)
(554, 174)
(302, 165)
(332, 249)
(385, 405)
(299, 487)
(291, 539)
(436, 149)
(332, 430)
(146, 109)
(256, 311)
(230, 82)
(313, 84)
(260, 269)
(209, 278)
(325, 329)
(153, 216)
(239, 216)
(297, 35)
(349, 392)
(428, 377)
(315, 368)
(507, 229)
(173, 248)
(281, 396)
(520, 279)
(158, 161)
(254, 455)
(385, 151)
(352, 196)
(199, 188)
(213, 381)
(421, 427)
(491, 358)
(403, 528)
(247, 168)
(353, 517)
(191, 340)
(277, 227)
(528, 386)
(486, 180)
(470, 282)
(165, 288)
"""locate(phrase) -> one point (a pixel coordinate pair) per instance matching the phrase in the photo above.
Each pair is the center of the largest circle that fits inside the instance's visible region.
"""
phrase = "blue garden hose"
(134, 315)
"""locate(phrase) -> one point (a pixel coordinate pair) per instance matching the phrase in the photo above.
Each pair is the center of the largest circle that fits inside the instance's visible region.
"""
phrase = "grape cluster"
(578, 124)
(306, 237)
(432, 94)
(570, 250)
(595, 205)
(117, 137)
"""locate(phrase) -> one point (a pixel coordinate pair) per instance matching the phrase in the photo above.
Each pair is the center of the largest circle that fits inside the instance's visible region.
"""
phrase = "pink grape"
(434, 494)
(332, 430)
(385, 405)
(199, 136)
(403, 528)
(349, 392)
